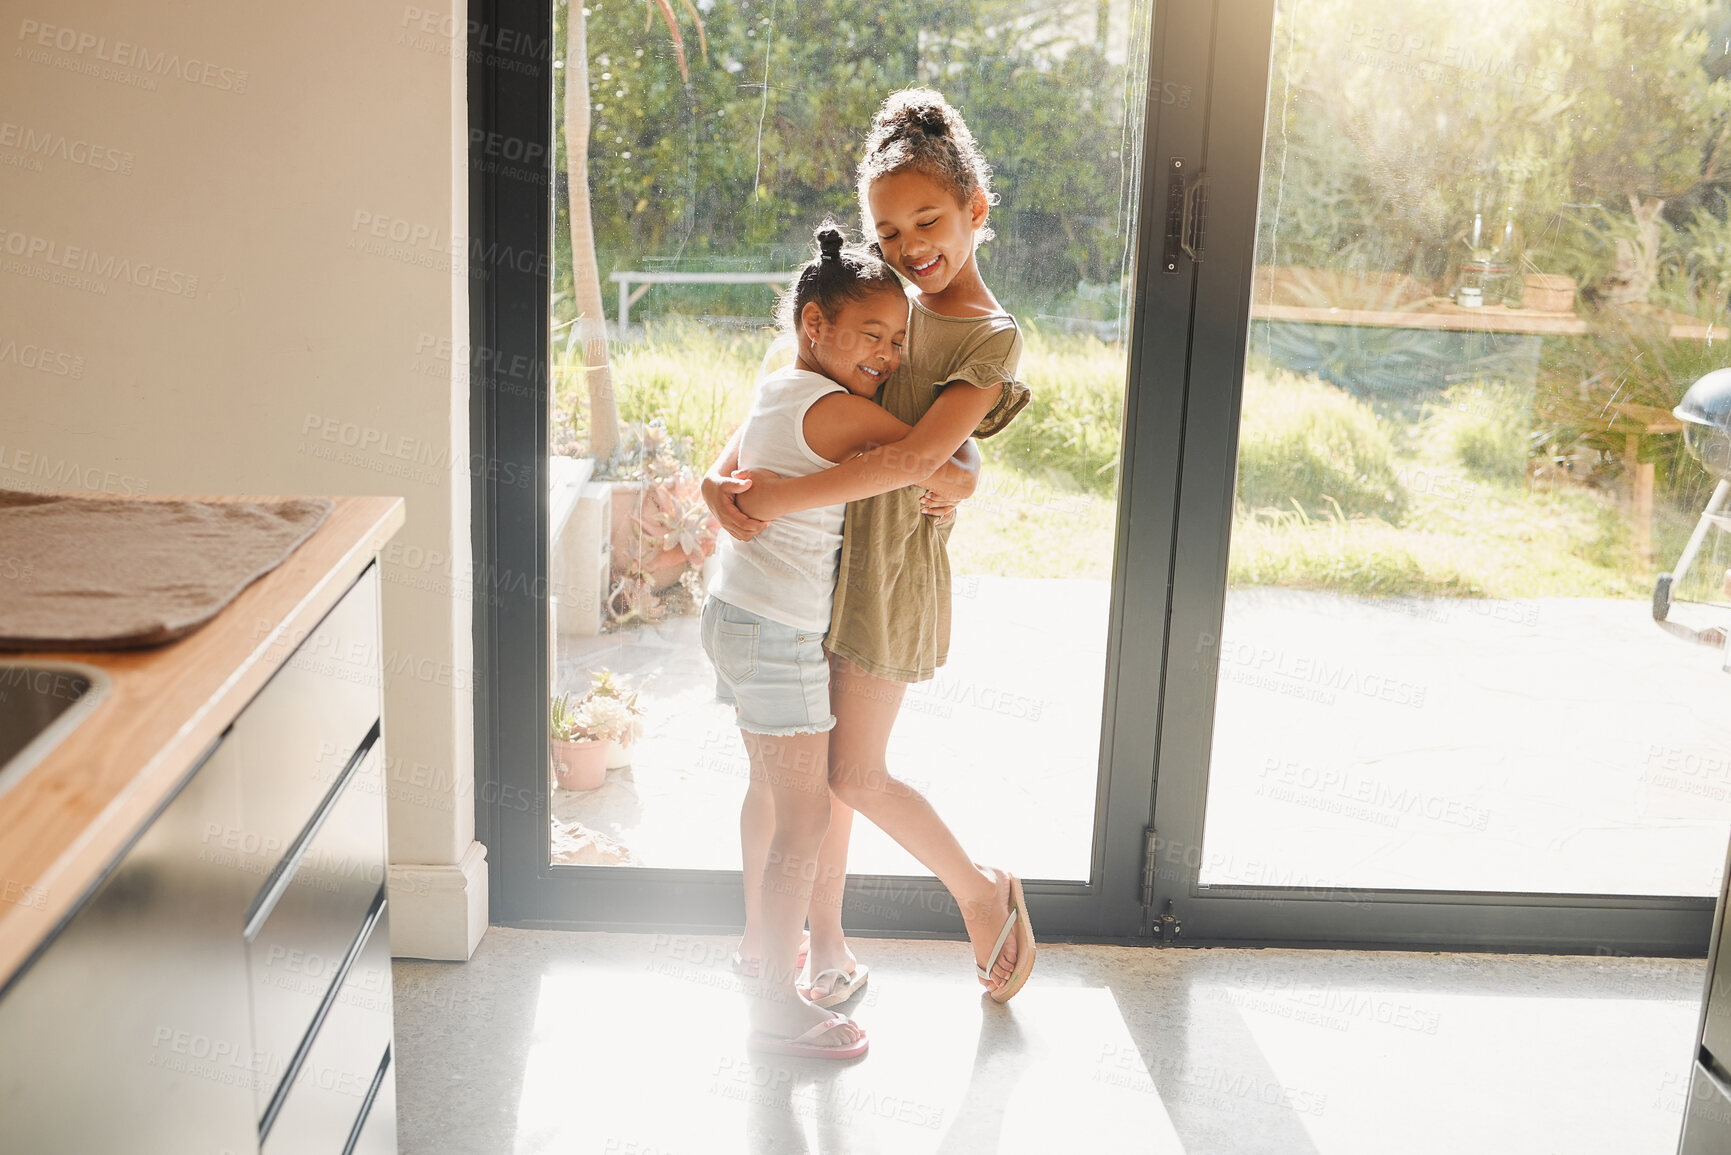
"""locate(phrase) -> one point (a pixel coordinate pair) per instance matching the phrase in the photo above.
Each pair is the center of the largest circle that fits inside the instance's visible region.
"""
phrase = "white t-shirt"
(787, 572)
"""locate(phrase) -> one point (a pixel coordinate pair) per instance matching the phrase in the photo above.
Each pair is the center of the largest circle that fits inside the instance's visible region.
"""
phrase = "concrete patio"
(1553, 745)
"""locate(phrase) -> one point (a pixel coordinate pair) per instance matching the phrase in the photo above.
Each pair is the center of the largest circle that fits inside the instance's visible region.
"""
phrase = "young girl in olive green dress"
(925, 196)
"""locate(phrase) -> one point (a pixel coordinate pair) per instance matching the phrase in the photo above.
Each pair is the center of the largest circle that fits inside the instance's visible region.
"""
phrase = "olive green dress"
(892, 594)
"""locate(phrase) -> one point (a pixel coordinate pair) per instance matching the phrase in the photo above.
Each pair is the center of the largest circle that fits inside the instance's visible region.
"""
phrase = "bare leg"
(829, 949)
(794, 768)
(756, 827)
(865, 709)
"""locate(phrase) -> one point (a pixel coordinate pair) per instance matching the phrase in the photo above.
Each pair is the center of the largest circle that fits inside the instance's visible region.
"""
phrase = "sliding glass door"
(690, 162)
(1332, 590)
(1416, 690)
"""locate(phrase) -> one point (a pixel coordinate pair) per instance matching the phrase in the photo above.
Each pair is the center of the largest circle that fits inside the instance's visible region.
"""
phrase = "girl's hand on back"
(721, 494)
(757, 500)
(938, 507)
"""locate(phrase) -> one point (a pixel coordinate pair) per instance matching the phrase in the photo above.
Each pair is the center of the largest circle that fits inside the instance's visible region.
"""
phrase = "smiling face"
(861, 345)
(925, 232)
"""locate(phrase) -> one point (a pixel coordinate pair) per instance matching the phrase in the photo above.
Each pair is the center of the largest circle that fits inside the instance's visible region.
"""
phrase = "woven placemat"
(104, 573)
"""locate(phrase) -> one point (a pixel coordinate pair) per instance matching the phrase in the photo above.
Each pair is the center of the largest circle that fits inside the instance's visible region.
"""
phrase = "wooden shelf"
(1405, 310)
(1433, 314)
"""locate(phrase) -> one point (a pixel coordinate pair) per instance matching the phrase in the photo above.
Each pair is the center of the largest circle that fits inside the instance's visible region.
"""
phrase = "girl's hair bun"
(930, 119)
(917, 130)
(838, 274)
(829, 241)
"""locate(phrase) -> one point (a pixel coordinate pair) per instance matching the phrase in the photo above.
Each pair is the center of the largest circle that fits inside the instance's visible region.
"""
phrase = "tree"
(1388, 132)
(585, 269)
(736, 177)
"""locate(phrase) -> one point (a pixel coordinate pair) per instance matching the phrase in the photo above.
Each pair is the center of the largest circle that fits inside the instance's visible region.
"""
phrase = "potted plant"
(613, 706)
(579, 752)
(662, 532)
(591, 733)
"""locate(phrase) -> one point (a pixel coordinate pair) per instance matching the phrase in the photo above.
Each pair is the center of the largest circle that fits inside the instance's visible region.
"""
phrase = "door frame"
(1321, 916)
(511, 213)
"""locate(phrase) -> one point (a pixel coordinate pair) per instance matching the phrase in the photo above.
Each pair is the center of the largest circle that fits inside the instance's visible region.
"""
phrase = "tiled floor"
(561, 1043)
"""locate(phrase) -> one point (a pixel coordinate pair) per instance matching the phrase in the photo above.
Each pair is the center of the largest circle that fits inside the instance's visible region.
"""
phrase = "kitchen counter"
(72, 817)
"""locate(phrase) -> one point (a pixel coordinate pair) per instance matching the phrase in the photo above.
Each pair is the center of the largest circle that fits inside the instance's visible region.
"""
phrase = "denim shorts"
(776, 676)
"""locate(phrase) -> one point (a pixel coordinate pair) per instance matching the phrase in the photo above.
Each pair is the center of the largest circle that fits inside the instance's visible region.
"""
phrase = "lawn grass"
(1032, 526)
(697, 378)
(1469, 523)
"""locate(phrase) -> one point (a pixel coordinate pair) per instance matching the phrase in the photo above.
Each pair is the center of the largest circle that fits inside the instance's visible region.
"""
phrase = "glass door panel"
(712, 150)
(1489, 261)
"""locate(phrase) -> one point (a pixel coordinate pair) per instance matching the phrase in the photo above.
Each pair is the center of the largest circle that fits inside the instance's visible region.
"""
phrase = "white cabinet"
(225, 987)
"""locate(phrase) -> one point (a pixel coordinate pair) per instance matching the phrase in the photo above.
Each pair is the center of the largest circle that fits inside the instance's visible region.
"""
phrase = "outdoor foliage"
(1588, 137)
(1485, 425)
(1310, 447)
(1073, 423)
(1594, 128)
(1626, 359)
(733, 168)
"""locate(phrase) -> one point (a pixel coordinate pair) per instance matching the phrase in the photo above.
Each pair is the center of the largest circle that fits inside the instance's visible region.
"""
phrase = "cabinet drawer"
(129, 1032)
(1707, 1122)
(323, 1104)
(324, 900)
(379, 1129)
(295, 737)
(1716, 1027)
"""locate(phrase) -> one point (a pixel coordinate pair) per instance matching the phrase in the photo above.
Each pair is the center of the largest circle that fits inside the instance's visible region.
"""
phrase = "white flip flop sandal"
(806, 1046)
(844, 987)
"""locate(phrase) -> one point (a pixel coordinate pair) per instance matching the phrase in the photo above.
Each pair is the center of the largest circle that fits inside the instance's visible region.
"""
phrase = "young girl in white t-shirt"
(766, 617)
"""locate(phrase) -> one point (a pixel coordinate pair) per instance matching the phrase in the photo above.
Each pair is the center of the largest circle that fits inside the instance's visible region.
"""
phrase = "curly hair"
(839, 273)
(917, 130)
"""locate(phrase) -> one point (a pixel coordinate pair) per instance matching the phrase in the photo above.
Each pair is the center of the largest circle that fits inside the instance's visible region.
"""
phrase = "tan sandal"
(1018, 925)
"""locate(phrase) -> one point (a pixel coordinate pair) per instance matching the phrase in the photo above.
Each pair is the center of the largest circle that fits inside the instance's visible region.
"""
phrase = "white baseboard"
(439, 911)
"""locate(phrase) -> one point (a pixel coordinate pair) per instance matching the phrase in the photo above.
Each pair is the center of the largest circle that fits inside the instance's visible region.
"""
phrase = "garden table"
(629, 297)
(1439, 313)
(1635, 421)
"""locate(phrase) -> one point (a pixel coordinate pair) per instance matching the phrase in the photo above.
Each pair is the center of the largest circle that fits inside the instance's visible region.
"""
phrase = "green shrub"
(699, 381)
(1305, 444)
(1073, 423)
(696, 378)
(1486, 425)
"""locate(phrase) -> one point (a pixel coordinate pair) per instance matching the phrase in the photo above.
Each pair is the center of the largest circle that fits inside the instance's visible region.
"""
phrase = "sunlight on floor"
(944, 1065)
(1365, 1035)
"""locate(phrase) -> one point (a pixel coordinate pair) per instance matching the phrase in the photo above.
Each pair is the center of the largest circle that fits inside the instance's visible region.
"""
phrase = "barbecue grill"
(1705, 412)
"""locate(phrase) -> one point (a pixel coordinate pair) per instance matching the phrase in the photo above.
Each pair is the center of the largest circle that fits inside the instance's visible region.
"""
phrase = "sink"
(41, 703)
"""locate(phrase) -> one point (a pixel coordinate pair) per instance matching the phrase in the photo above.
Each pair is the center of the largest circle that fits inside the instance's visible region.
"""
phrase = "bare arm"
(721, 490)
(960, 475)
(924, 452)
(842, 426)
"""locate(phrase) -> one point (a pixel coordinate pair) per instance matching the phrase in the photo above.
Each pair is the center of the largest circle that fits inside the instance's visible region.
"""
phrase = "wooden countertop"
(71, 816)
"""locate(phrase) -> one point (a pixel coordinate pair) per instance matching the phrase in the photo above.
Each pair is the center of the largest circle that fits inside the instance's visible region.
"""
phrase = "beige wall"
(226, 238)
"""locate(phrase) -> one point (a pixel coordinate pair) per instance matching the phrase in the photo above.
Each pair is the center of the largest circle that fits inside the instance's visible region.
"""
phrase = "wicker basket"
(1548, 293)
